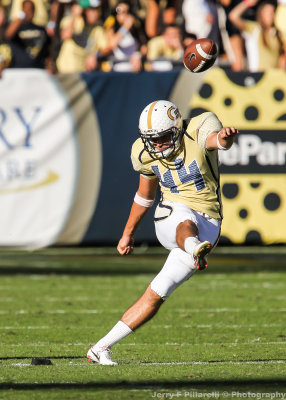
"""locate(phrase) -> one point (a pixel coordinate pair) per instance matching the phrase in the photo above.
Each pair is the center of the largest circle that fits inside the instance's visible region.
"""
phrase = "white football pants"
(179, 265)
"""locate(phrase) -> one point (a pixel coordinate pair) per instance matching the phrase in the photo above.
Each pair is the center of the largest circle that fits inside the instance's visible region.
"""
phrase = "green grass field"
(220, 335)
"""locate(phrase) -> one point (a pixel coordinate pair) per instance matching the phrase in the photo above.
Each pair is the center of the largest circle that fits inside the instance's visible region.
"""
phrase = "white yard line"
(218, 325)
(5, 312)
(226, 344)
(46, 298)
(233, 285)
(216, 362)
(25, 327)
(227, 362)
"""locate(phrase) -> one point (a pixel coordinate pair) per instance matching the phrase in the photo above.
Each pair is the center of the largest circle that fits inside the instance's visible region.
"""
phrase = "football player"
(182, 157)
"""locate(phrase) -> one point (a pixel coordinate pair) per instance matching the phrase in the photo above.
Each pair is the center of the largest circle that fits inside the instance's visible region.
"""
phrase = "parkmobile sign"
(254, 151)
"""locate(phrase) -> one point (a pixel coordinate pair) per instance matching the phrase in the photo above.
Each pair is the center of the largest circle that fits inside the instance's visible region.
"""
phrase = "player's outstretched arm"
(143, 200)
(221, 140)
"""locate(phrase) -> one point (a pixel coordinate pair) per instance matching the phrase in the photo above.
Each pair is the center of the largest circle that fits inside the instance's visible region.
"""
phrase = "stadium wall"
(65, 170)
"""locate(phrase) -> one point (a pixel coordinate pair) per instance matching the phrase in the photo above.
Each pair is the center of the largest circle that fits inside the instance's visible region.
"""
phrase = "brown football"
(200, 55)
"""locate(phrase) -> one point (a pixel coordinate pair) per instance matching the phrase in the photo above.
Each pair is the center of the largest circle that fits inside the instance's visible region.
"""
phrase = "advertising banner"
(41, 170)
(65, 170)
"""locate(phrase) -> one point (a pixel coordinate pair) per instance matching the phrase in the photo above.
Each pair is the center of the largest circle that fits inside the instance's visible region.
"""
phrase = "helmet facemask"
(149, 140)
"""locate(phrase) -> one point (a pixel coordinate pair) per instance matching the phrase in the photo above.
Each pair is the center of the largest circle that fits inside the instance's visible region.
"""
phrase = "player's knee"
(153, 299)
(163, 286)
(178, 267)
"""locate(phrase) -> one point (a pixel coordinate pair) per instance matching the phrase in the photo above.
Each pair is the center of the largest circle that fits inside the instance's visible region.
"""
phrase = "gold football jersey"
(191, 176)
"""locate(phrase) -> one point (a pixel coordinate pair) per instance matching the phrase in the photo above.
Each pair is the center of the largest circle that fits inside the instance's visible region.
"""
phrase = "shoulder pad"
(140, 158)
(207, 124)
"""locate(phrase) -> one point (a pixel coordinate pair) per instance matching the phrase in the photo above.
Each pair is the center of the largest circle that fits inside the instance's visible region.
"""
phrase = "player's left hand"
(228, 132)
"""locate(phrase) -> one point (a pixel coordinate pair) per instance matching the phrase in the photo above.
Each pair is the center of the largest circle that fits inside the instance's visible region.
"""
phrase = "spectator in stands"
(157, 15)
(29, 42)
(263, 42)
(41, 15)
(126, 38)
(81, 35)
(165, 50)
(55, 10)
(198, 17)
(107, 6)
(235, 40)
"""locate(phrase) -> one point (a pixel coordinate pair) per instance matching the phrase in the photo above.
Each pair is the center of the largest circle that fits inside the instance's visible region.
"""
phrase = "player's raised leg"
(187, 236)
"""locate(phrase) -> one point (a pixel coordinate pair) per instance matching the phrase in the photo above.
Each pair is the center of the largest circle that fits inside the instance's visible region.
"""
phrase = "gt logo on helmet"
(176, 113)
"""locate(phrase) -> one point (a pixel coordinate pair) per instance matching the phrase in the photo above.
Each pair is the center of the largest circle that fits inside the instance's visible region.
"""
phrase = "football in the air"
(200, 55)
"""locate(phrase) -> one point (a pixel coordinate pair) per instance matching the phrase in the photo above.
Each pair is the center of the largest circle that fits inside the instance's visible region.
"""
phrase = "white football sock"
(190, 244)
(117, 333)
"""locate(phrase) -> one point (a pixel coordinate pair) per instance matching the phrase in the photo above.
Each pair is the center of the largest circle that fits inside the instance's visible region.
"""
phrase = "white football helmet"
(158, 119)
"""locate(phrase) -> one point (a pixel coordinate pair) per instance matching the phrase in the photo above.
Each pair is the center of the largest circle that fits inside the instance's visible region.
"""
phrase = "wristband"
(22, 15)
(143, 202)
(123, 30)
(218, 143)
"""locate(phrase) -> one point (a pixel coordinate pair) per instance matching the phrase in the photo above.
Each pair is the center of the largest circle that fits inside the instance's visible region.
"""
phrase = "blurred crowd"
(67, 36)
